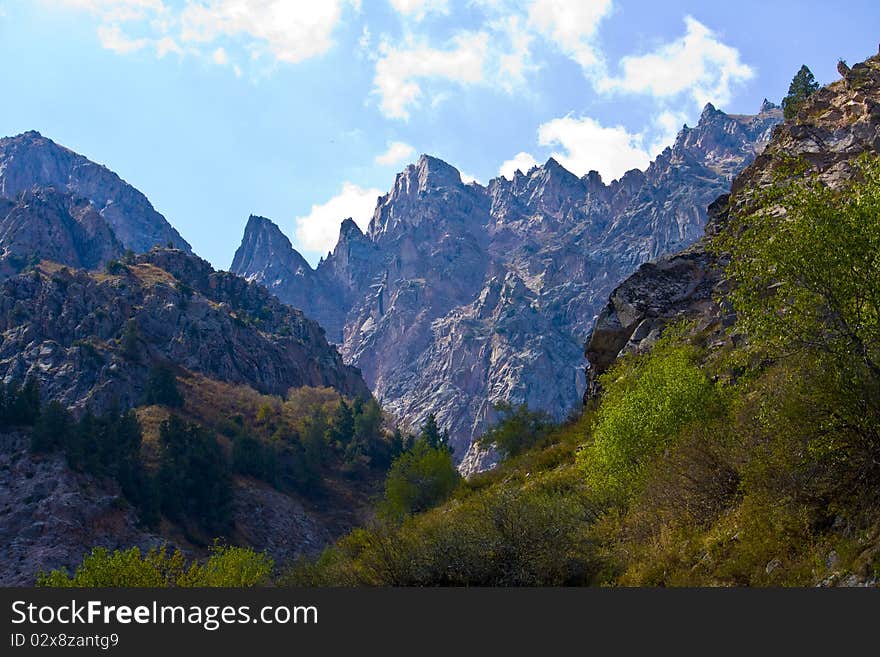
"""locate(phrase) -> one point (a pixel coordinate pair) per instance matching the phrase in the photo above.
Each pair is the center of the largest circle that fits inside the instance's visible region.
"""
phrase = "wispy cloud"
(400, 70)
(697, 65)
(397, 152)
(280, 30)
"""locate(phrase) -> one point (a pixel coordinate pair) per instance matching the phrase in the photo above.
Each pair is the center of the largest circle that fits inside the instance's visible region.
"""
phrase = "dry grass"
(151, 275)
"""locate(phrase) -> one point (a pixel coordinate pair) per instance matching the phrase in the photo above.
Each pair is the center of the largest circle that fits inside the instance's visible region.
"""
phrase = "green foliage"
(120, 568)
(419, 479)
(194, 476)
(430, 433)
(504, 536)
(231, 567)
(19, 405)
(807, 271)
(115, 267)
(803, 85)
(518, 429)
(129, 342)
(162, 387)
(225, 567)
(647, 401)
(50, 430)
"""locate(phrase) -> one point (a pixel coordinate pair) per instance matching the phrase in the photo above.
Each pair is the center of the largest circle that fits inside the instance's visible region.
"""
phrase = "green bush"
(162, 387)
(420, 478)
(518, 429)
(226, 567)
(648, 399)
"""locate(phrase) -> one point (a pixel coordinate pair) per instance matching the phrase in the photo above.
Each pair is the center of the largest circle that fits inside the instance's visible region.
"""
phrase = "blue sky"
(304, 111)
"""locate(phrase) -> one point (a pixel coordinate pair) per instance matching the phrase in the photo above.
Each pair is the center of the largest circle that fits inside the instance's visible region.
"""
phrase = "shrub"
(648, 399)
(518, 429)
(225, 567)
(420, 478)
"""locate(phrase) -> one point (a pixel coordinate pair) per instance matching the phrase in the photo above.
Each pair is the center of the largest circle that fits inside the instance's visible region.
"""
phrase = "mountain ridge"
(462, 296)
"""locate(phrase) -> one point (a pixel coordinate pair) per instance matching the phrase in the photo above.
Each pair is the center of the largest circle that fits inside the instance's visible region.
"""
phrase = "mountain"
(94, 340)
(45, 223)
(29, 159)
(91, 338)
(460, 296)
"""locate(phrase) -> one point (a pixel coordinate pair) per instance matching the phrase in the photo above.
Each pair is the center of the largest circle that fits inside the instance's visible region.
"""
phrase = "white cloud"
(587, 145)
(220, 57)
(319, 230)
(117, 11)
(290, 31)
(515, 63)
(572, 26)
(417, 9)
(522, 161)
(284, 31)
(697, 64)
(400, 70)
(166, 45)
(112, 38)
(467, 178)
(397, 152)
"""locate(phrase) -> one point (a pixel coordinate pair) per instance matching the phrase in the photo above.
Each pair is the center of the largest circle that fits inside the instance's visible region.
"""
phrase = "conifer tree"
(803, 85)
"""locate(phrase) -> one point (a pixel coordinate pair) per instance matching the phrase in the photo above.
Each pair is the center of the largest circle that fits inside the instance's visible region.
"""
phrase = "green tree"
(419, 479)
(129, 342)
(808, 277)
(802, 86)
(52, 428)
(342, 426)
(194, 476)
(430, 433)
(517, 430)
(162, 387)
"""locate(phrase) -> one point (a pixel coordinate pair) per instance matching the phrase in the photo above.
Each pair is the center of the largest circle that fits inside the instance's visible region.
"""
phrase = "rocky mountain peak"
(264, 246)
(434, 173)
(349, 230)
(31, 159)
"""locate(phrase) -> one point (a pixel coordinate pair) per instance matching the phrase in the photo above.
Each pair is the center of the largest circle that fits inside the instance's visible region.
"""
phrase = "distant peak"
(261, 225)
(434, 172)
(593, 177)
(708, 111)
(349, 229)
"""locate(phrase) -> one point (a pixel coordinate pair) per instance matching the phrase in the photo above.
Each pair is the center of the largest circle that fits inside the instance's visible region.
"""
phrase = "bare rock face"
(833, 128)
(460, 296)
(68, 329)
(43, 223)
(29, 160)
(50, 516)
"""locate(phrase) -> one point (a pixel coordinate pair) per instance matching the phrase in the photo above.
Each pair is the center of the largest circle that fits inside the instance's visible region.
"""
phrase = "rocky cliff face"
(43, 223)
(90, 338)
(29, 160)
(834, 127)
(460, 296)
